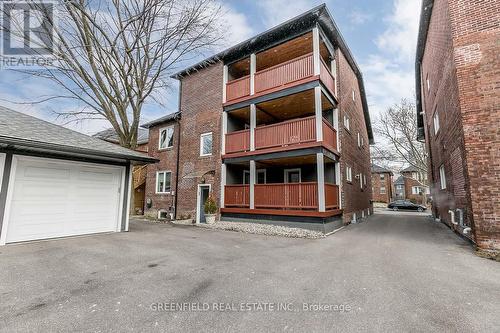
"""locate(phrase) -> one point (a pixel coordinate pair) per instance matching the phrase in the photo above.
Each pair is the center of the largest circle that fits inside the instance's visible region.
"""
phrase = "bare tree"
(112, 56)
(397, 127)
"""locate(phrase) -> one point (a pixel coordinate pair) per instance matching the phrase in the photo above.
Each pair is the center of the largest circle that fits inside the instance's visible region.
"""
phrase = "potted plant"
(210, 210)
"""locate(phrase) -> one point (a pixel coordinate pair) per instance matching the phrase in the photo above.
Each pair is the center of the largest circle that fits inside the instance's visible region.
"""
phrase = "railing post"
(316, 54)
(321, 181)
(222, 184)
(252, 184)
(318, 113)
(253, 124)
(224, 83)
(253, 68)
(224, 132)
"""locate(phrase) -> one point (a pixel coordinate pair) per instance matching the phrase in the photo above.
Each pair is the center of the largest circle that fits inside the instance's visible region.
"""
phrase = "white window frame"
(359, 140)
(201, 143)
(435, 121)
(382, 176)
(347, 123)
(264, 171)
(166, 138)
(428, 84)
(442, 177)
(416, 190)
(360, 180)
(244, 173)
(364, 180)
(286, 171)
(382, 190)
(353, 95)
(348, 173)
(156, 182)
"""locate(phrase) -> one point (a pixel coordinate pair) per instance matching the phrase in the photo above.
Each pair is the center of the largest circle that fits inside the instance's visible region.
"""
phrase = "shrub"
(210, 205)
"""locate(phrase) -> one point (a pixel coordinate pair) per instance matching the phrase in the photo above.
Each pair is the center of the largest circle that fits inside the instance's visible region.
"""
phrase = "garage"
(55, 182)
(57, 199)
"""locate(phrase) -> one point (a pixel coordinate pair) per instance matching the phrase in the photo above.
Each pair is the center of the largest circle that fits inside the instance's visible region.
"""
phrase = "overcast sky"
(381, 34)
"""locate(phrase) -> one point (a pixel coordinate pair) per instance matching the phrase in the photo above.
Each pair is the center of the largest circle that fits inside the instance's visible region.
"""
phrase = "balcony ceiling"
(287, 51)
(290, 162)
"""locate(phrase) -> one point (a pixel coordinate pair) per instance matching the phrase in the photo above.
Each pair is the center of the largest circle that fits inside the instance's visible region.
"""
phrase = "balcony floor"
(279, 212)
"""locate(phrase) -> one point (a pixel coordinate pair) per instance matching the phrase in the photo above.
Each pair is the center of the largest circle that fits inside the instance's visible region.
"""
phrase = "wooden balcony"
(287, 74)
(238, 88)
(281, 136)
(139, 175)
(238, 141)
(284, 198)
(237, 196)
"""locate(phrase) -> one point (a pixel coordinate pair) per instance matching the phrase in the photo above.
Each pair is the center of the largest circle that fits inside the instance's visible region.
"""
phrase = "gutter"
(73, 150)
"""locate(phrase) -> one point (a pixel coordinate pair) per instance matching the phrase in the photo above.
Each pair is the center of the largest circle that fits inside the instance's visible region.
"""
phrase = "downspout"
(178, 153)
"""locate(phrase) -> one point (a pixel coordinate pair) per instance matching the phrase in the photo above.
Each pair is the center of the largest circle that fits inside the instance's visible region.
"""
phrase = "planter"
(210, 218)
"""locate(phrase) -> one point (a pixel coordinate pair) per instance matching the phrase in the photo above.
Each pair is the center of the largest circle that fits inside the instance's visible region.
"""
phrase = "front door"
(203, 193)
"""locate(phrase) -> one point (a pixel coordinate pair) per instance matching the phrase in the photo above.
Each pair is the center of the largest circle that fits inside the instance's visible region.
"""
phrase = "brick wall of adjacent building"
(462, 61)
(377, 183)
(201, 107)
(354, 198)
(168, 162)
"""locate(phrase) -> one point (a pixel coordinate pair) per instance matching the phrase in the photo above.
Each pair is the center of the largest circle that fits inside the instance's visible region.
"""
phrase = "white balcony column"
(319, 113)
(252, 184)
(224, 132)
(222, 184)
(316, 54)
(224, 82)
(253, 68)
(253, 124)
(321, 181)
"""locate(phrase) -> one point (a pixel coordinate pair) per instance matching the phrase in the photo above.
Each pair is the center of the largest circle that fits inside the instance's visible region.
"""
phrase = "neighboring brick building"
(458, 107)
(381, 184)
(276, 129)
(415, 185)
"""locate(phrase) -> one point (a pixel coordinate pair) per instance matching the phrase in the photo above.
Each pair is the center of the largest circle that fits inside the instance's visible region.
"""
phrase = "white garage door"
(55, 199)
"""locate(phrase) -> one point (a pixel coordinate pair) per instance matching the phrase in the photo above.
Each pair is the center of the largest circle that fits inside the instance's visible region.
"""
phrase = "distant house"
(399, 188)
(139, 172)
(111, 136)
(381, 184)
(415, 188)
(55, 182)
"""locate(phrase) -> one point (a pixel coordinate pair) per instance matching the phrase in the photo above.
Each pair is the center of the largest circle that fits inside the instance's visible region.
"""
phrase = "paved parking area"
(392, 272)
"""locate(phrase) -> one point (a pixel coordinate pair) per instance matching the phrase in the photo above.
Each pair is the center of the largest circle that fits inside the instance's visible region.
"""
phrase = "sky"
(381, 34)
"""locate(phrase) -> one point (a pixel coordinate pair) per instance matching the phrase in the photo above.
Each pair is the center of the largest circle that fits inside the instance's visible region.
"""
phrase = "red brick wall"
(354, 199)
(201, 107)
(168, 162)
(462, 60)
(377, 183)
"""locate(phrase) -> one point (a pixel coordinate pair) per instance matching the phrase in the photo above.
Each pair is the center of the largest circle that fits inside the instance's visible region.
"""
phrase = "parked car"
(404, 204)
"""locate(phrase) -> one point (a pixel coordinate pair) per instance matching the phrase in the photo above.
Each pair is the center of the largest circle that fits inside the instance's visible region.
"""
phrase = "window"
(293, 176)
(414, 175)
(399, 187)
(360, 180)
(359, 140)
(348, 173)
(382, 176)
(347, 124)
(382, 190)
(353, 95)
(163, 181)
(246, 177)
(436, 122)
(428, 83)
(416, 190)
(261, 176)
(166, 137)
(206, 144)
(364, 179)
(442, 177)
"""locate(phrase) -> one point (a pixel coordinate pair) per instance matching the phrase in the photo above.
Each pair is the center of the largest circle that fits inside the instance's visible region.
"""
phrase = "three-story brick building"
(276, 128)
(458, 105)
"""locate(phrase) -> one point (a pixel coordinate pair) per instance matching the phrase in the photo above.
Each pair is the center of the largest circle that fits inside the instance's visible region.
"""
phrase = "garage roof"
(21, 131)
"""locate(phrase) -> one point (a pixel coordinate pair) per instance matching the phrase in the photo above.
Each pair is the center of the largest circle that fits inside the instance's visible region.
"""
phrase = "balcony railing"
(238, 88)
(331, 196)
(291, 196)
(284, 73)
(329, 134)
(237, 196)
(238, 141)
(286, 133)
(280, 75)
(327, 77)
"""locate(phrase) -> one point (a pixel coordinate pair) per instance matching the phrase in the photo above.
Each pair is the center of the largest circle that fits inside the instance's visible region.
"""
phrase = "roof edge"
(425, 19)
(174, 116)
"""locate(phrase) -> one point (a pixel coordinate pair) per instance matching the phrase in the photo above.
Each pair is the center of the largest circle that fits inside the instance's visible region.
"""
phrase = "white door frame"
(12, 177)
(286, 171)
(198, 198)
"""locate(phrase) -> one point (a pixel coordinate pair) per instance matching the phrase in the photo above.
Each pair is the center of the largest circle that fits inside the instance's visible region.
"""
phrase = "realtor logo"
(27, 28)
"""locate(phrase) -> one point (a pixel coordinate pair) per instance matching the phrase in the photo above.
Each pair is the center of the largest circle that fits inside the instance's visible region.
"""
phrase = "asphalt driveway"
(390, 273)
